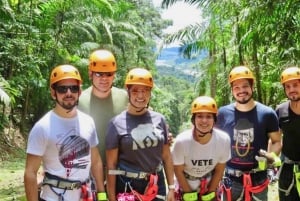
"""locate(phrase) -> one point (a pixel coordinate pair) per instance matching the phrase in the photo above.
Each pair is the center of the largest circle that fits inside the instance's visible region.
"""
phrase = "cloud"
(182, 14)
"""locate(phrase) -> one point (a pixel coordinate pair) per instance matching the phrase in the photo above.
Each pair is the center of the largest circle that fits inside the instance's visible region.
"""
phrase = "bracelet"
(171, 187)
(193, 196)
(101, 196)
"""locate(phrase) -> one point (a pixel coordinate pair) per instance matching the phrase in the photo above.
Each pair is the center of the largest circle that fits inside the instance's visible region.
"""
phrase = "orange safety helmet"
(204, 104)
(291, 73)
(102, 61)
(139, 76)
(240, 72)
(63, 72)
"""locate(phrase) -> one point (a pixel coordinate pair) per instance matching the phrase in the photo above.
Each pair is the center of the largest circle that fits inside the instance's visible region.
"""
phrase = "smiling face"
(139, 96)
(66, 93)
(204, 121)
(242, 90)
(292, 89)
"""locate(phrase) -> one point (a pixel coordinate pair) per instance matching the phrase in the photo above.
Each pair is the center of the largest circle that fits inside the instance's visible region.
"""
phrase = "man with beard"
(289, 122)
(246, 176)
(65, 142)
(102, 100)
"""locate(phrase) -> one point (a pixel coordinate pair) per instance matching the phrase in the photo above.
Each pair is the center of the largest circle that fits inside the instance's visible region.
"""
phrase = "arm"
(111, 161)
(275, 142)
(216, 177)
(181, 178)
(274, 148)
(169, 170)
(97, 169)
(33, 163)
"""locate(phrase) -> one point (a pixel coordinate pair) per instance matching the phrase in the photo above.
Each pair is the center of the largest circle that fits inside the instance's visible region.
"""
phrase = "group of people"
(105, 143)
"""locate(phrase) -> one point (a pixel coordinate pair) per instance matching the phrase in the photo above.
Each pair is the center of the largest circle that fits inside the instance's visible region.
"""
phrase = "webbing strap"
(150, 192)
(203, 186)
(249, 188)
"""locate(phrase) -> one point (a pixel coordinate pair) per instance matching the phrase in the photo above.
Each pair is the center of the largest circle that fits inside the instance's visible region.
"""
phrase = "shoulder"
(84, 116)
(221, 134)
(155, 114)
(119, 117)
(283, 105)
(87, 91)
(185, 134)
(85, 94)
(119, 91)
(226, 108)
(264, 108)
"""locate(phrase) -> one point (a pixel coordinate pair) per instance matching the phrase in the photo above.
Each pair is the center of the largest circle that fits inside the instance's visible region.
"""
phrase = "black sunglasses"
(64, 89)
(102, 74)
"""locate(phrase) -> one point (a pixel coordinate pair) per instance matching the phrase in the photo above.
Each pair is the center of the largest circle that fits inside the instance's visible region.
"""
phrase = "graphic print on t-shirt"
(145, 136)
(73, 151)
(242, 148)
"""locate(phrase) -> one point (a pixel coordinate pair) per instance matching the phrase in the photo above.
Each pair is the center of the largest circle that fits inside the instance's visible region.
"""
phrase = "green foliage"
(260, 34)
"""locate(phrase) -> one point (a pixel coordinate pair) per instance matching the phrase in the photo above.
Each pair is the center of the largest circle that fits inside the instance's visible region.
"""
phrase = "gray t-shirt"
(139, 138)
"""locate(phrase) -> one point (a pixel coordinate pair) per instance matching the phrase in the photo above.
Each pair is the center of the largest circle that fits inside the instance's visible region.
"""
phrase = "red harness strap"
(203, 186)
(86, 194)
(227, 191)
(151, 190)
(247, 182)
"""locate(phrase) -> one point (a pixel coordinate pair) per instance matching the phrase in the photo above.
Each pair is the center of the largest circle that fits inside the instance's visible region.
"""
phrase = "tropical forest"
(38, 35)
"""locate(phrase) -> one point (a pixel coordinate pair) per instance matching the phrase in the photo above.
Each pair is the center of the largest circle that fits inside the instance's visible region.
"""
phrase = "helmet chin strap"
(139, 110)
(202, 134)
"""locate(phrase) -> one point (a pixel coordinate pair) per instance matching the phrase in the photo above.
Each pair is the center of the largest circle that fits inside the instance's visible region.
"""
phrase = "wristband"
(193, 196)
(208, 196)
(277, 161)
(171, 187)
(101, 196)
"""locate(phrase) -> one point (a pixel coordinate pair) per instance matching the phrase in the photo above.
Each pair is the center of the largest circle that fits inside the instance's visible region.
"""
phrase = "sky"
(181, 13)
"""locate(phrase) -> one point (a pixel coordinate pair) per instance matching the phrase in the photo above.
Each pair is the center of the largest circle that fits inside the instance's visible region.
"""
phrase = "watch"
(171, 187)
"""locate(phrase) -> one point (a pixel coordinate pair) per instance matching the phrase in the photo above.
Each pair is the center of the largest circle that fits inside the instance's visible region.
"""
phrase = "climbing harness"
(200, 195)
(65, 184)
(296, 178)
(248, 187)
(151, 191)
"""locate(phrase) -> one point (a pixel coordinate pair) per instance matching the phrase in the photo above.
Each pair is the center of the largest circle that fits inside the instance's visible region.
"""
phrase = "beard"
(244, 100)
(294, 99)
(68, 105)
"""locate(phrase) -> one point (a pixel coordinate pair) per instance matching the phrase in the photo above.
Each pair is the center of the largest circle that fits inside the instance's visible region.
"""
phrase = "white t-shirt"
(65, 146)
(200, 159)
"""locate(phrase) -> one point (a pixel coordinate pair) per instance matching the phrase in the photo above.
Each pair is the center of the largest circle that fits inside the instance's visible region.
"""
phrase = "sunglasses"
(104, 74)
(64, 89)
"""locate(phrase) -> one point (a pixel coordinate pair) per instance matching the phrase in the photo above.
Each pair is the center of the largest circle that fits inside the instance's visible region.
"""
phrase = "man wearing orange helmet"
(65, 142)
(137, 148)
(102, 100)
(246, 171)
(289, 121)
(200, 154)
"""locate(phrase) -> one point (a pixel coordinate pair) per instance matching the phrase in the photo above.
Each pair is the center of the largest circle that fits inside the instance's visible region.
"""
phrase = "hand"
(271, 157)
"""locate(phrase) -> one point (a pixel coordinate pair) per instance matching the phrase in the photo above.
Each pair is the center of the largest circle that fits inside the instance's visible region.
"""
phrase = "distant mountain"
(171, 62)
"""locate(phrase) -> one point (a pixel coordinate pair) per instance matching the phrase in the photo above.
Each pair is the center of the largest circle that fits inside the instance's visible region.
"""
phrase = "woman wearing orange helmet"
(64, 141)
(137, 147)
(200, 154)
